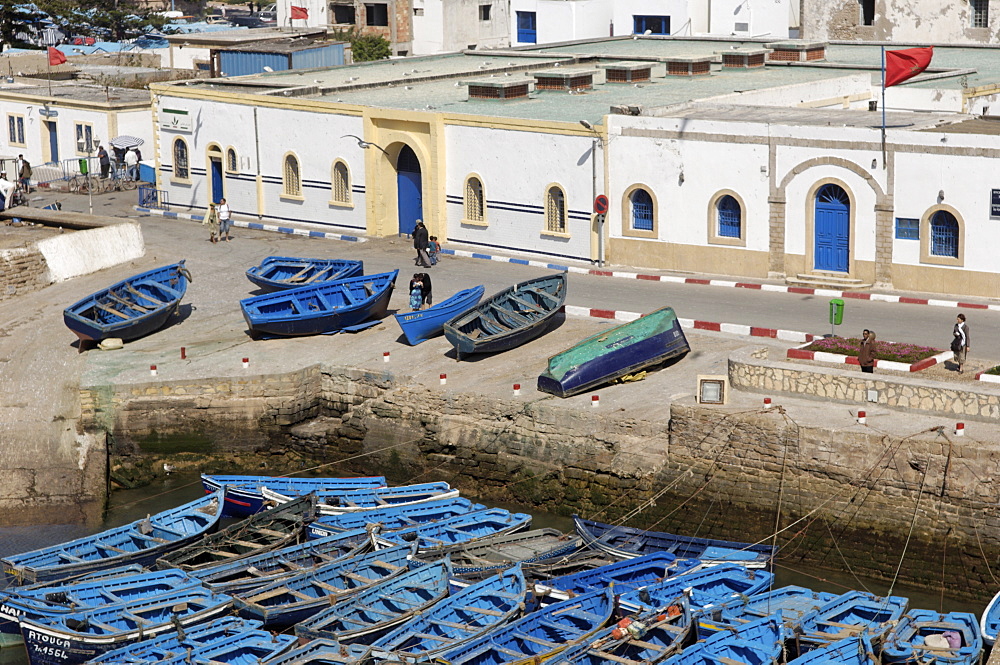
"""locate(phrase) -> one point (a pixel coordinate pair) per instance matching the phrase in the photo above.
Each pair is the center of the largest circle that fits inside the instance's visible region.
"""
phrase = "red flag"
(56, 57)
(905, 64)
(299, 13)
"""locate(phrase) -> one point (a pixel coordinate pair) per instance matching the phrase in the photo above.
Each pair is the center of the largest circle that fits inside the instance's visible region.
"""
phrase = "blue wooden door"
(833, 229)
(408, 190)
(53, 141)
(218, 190)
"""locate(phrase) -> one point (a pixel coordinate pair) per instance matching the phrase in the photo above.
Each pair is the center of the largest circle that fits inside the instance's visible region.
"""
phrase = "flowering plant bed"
(888, 355)
(990, 375)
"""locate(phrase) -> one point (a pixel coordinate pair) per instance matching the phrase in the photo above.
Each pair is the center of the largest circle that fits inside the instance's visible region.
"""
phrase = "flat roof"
(240, 36)
(435, 83)
(281, 46)
(78, 92)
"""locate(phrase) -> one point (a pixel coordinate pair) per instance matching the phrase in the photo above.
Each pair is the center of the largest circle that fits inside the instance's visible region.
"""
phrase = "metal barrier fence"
(64, 169)
(151, 197)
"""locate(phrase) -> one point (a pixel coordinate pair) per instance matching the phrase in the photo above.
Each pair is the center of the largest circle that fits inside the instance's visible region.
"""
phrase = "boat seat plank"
(107, 308)
(327, 587)
(453, 624)
(386, 564)
(398, 599)
(537, 640)
(375, 610)
(267, 595)
(436, 638)
(507, 595)
(247, 543)
(317, 274)
(840, 625)
(111, 548)
(615, 659)
(299, 275)
(480, 610)
(359, 578)
(128, 303)
(525, 303)
(158, 285)
(271, 532)
(136, 292)
(646, 645)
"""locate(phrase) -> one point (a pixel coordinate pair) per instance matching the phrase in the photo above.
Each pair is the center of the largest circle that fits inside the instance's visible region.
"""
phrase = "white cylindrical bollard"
(767, 402)
(517, 389)
(861, 417)
(152, 370)
(385, 357)
(444, 379)
(246, 363)
(959, 429)
(595, 400)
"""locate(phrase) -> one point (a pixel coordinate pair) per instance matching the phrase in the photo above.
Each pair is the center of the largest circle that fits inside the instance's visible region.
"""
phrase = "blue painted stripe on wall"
(519, 249)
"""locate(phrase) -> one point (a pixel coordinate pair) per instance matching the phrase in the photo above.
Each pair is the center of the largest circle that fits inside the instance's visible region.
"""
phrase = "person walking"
(960, 342)
(416, 291)
(132, 164)
(420, 242)
(866, 353)
(104, 161)
(211, 220)
(24, 175)
(225, 219)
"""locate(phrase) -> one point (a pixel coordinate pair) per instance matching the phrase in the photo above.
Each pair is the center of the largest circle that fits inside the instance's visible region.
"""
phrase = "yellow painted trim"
(112, 125)
(469, 222)
(262, 101)
(349, 203)
(465, 201)
(291, 197)
(213, 151)
(64, 103)
(555, 234)
(156, 142)
(23, 132)
(46, 147)
(173, 158)
(810, 246)
(565, 221)
(225, 160)
(626, 208)
(925, 238)
(713, 220)
(186, 182)
(285, 192)
(340, 204)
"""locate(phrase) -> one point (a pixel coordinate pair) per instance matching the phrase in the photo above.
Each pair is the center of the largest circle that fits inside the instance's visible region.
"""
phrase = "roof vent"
(797, 50)
(499, 89)
(626, 72)
(565, 79)
(691, 65)
(743, 58)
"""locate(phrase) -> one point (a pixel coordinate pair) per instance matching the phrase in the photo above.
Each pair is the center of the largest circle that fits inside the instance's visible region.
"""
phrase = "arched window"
(730, 217)
(181, 159)
(232, 161)
(341, 183)
(474, 208)
(642, 210)
(291, 177)
(555, 210)
(944, 234)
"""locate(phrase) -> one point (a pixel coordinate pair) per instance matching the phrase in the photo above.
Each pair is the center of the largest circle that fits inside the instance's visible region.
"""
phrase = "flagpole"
(884, 165)
(48, 59)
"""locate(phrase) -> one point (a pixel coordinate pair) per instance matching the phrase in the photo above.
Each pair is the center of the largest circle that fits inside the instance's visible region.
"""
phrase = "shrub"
(894, 351)
(995, 371)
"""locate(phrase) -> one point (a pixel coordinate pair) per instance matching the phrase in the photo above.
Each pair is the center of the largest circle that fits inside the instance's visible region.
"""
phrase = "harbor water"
(128, 505)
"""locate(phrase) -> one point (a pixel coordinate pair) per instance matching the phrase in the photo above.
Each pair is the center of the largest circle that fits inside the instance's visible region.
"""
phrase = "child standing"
(416, 292)
(433, 247)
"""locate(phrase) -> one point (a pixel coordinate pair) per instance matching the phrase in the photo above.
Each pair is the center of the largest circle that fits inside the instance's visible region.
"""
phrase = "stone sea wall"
(22, 270)
(846, 498)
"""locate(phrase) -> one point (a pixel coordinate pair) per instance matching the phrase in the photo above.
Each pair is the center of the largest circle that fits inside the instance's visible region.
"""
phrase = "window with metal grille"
(292, 179)
(944, 234)
(555, 210)
(527, 31)
(980, 13)
(730, 217)
(907, 228)
(642, 210)
(181, 159)
(474, 207)
(232, 161)
(15, 129)
(341, 183)
(84, 138)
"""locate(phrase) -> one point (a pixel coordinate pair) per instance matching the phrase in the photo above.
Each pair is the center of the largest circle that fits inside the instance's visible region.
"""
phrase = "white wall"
(854, 90)
(559, 20)
(83, 252)
(678, 11)
(428, 29)
(761, 18)
(279, 131)
(454, 25)
(183, 57)
(317, 13)
(515, 212)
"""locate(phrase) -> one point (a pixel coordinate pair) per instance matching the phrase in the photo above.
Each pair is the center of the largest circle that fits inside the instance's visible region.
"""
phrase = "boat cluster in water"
(347, 570)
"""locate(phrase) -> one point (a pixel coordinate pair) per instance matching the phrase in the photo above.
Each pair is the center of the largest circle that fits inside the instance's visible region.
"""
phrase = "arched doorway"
(216, 181)
(832, 229)
(410, 204)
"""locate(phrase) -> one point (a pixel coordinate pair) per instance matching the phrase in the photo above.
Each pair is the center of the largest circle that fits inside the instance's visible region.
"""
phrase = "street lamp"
(593, 161)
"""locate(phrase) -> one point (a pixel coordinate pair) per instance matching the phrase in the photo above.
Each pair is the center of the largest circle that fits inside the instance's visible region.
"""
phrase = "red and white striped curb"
(799, 353)
(988, 378)
(692, 324)
(776, 288)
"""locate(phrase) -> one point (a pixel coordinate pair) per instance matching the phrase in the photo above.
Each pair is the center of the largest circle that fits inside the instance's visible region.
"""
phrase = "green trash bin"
(836, 311)
(84, 167)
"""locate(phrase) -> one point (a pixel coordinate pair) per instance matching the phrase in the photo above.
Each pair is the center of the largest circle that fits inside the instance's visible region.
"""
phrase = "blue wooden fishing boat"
(251, 572)
(759, 642)
(422, 324)
(538, 635)
(714, 585)
(989, 623)
(323, 652)
(131, 308)
(140, 542)
(363, 500)
(172, 643)
(463, 616)
(436, 538)
(491, 555)
(855, 650)
(77, 596)
(296, 598)
(849, 614)
(391, 518)
(280, 273)
(270, 530)
(793, 602)
(626, 542)
(81, 636)
(645, 639)
(626, 575)
(248, 648)
(509, 318)
(612, 354)
(925, 636)
(244, 498)
(314, 310)
(366, 616)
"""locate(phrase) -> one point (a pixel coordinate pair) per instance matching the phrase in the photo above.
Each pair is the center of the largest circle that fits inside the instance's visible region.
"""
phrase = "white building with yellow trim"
(717, 156)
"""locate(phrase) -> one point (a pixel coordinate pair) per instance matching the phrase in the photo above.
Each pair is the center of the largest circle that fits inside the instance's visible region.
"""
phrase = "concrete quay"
(334, 397)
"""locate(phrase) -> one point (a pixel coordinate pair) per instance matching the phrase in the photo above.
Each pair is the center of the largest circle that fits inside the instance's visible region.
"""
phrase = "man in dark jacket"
(866, 352)
(420, 242)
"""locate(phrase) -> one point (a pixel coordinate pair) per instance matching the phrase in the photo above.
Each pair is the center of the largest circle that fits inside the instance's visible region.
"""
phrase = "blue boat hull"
(280, 273)
(622, 356)
(244, 498)
(419, 326)
(306, 310)
(130, 309)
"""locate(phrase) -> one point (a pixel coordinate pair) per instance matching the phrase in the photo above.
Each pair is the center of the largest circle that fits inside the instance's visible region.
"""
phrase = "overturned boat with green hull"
(612, 354)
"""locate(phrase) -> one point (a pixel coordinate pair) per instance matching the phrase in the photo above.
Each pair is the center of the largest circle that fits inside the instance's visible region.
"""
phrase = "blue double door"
(409, 194)
(832, 228)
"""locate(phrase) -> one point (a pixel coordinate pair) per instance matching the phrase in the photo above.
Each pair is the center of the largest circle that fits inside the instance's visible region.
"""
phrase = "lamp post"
(90, 189)
(597, 141)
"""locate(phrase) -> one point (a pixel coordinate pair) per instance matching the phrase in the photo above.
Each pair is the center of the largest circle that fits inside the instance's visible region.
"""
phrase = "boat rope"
(777, 511)
(913, 521)
(983, 552)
